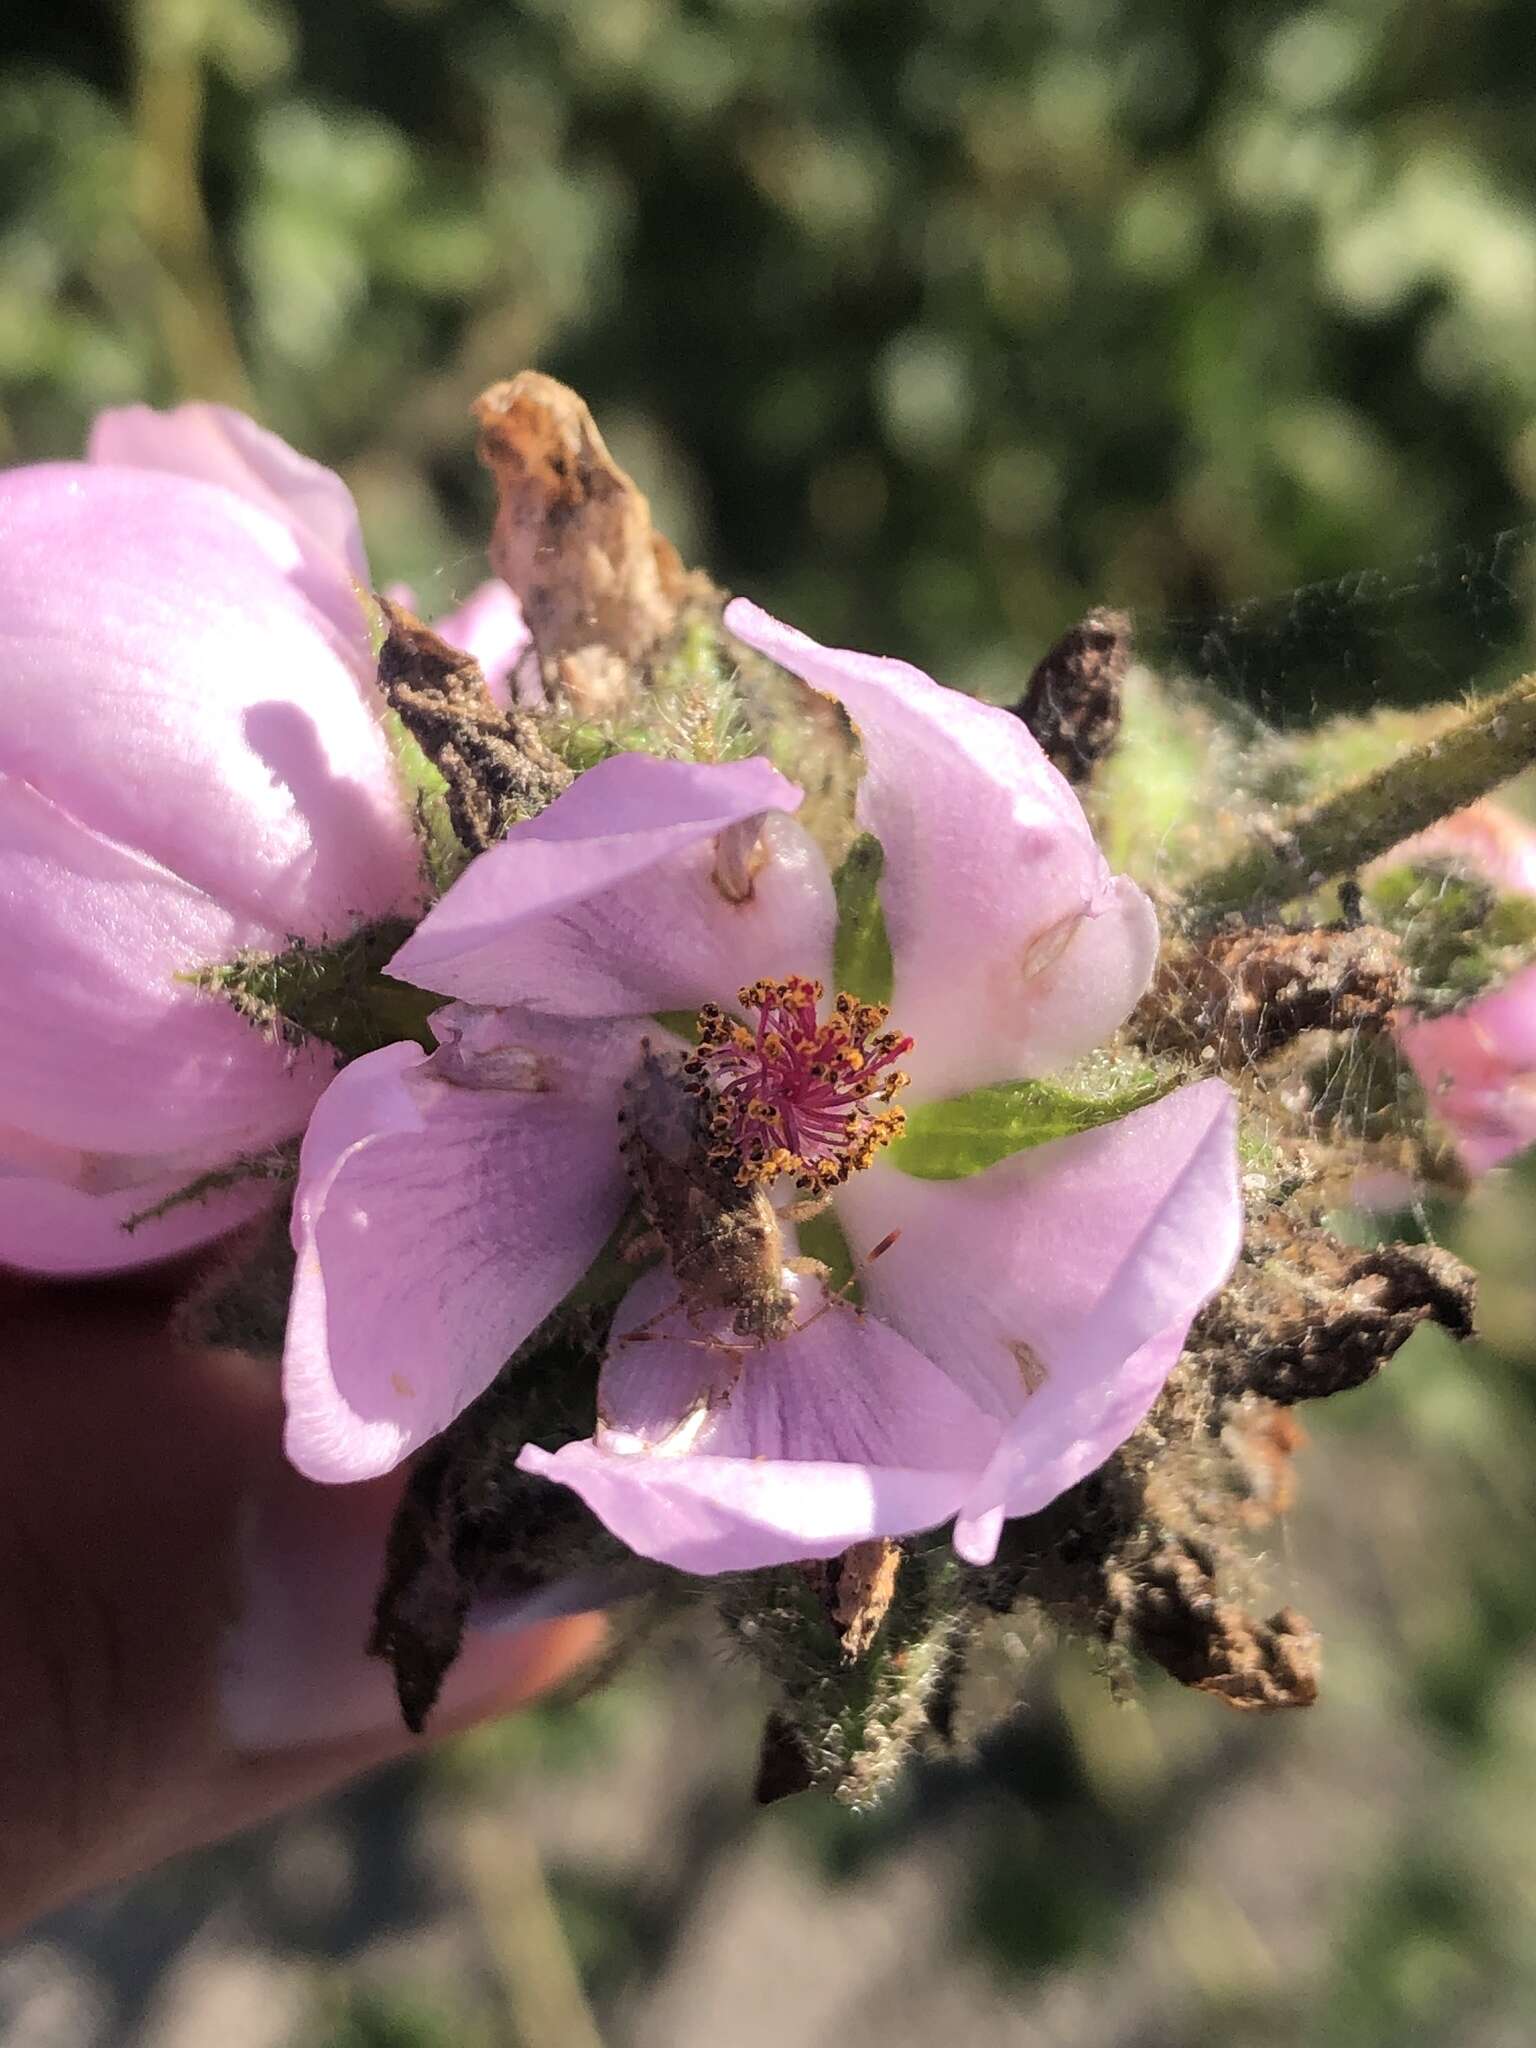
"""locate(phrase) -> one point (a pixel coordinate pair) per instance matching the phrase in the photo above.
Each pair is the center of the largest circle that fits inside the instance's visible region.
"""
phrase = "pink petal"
(489, 624)
(1478, 1067)
(102, 1044)
(606, 905)
(436, 1225)
(713, 1460)
(169, 683)
(46, 1226)
(1055, 1289)
(1015, 949)
(220, 446)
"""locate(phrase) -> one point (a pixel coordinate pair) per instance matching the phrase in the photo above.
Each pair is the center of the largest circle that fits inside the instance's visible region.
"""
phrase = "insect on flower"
(721, 1236)
(707, 1135)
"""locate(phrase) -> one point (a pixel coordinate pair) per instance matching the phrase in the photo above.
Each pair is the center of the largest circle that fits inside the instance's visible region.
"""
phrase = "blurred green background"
(928, 322)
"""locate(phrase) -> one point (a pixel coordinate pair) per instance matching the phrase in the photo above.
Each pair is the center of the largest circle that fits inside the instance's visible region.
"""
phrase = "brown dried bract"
(1241, 995)
(427, 1589)
(1072, 703)
(599, 587)
(1173, 1611)
(470, 1526)
(497, 768)
(1150, 1553)
(1305, 1315)
(784, 1764)
(856, 1590)
(1263, 1441)
(722, 1239)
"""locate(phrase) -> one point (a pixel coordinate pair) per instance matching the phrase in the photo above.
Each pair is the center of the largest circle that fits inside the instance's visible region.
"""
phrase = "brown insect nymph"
(721, 1238)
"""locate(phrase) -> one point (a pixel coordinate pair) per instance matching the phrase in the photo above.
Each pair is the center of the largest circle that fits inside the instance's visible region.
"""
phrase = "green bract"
(338, 992)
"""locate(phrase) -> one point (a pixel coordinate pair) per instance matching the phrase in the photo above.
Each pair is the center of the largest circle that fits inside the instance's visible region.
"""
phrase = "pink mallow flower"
(191, 763)
(1478, 1064)
(1021, 1320)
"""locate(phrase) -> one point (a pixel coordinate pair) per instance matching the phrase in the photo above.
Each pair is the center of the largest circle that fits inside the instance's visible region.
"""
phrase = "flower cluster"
(194, 765)
(1022, 1318)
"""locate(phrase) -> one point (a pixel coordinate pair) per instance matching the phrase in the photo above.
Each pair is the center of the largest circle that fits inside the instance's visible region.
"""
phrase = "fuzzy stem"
(1493, 740)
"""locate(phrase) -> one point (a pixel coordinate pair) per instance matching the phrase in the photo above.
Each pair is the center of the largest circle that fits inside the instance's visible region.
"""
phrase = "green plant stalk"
(1493, 740)
(544, 2002)
(167, 41)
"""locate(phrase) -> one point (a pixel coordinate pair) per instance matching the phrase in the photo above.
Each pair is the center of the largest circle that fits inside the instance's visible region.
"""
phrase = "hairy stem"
(1494, 739)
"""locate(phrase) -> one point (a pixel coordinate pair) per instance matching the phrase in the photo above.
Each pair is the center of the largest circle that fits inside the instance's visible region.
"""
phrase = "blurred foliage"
(370, 2019)
(928, 322)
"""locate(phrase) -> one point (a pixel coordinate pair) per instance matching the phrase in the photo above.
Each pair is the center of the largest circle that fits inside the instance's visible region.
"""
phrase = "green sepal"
(966, 1134)
(338, 993)
(240, 1301)
(861, 952)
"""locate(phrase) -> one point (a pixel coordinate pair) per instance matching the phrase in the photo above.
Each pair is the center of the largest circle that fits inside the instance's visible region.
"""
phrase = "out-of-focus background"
(927, 322)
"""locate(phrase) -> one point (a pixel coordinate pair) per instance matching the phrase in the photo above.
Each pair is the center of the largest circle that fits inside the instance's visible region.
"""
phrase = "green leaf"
(338, 992)
(968, 1133)
(861, 954)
